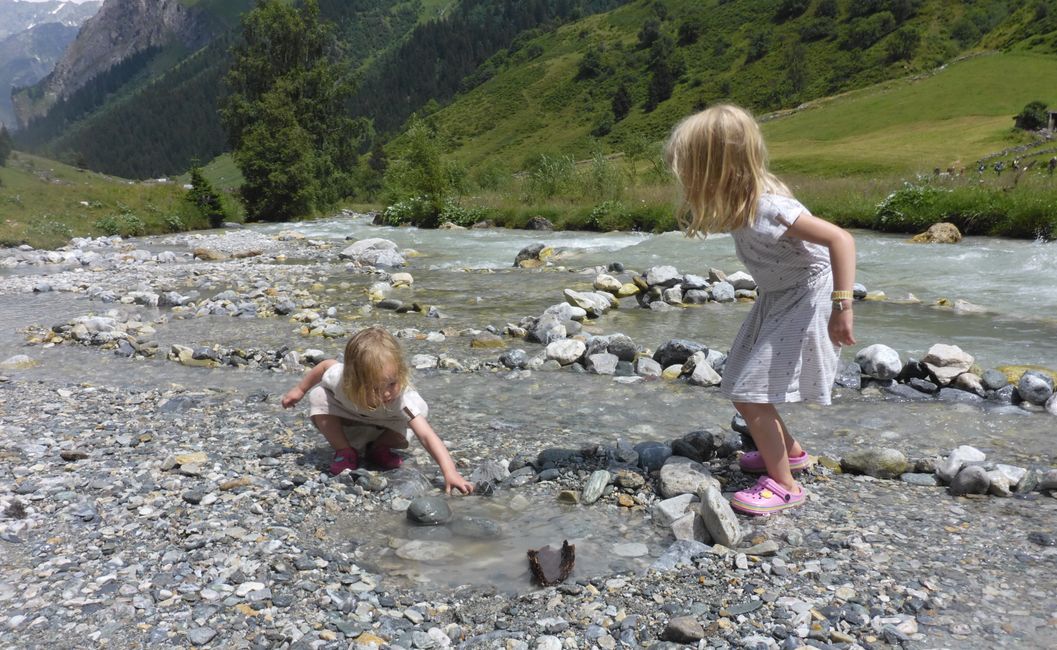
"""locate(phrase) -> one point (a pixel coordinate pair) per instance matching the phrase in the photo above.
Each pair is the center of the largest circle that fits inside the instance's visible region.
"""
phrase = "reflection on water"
(608, 540)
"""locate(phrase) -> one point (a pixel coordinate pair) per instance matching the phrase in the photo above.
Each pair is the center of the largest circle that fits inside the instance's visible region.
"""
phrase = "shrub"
(418, 211)
(602, 179)
(550, 175)
(173, 223)
(205, 200)
(125, 224)
(461, 216)
(1032, 117)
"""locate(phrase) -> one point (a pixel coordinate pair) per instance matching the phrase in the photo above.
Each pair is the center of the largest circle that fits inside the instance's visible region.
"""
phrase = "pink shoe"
(384, 457)
(765, 497)
(344, 459)
(752, 462)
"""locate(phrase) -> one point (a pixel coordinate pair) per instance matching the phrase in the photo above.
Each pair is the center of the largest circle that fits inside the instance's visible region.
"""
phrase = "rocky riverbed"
(177, 511)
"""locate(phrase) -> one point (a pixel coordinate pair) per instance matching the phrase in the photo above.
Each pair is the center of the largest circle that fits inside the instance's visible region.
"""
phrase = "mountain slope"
(18, 16)
(28, 56)
(560, 99)
(155, 111)
(120, 30)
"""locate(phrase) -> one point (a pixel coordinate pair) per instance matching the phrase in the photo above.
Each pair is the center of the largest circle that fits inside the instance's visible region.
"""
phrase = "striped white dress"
(783, 352)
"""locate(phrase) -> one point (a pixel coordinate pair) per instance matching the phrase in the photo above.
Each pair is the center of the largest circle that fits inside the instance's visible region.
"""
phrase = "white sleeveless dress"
(782, 352)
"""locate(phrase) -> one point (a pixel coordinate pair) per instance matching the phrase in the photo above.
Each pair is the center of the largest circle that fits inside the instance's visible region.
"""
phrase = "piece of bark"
(550, 565)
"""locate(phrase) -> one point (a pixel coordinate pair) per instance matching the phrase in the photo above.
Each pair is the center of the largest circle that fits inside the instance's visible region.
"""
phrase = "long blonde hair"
(367, 354)
(720, 160)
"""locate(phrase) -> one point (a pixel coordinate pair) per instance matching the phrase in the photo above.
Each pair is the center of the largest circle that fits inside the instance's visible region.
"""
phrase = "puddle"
(608, 540)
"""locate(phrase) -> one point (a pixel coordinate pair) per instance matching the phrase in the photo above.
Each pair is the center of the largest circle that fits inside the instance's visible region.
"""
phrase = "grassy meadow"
(44, 203)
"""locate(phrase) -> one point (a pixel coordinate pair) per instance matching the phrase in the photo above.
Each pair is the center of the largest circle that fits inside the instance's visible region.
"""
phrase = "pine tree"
(5, 145)
(285, 116)
(205, 199)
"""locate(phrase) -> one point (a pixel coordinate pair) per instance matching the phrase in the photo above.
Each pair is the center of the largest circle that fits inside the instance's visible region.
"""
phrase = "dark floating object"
(550, 565)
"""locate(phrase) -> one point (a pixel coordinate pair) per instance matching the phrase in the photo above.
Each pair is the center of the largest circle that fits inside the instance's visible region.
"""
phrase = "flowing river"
(467, 274)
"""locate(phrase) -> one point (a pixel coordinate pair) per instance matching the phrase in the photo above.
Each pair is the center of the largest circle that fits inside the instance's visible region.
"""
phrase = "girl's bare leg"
(769, 433)
(331, 428)
(391, 439)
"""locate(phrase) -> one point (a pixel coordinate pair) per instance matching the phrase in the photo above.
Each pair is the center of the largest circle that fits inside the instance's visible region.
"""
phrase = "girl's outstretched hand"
(292, 396)
(840, 327)
(457, 482)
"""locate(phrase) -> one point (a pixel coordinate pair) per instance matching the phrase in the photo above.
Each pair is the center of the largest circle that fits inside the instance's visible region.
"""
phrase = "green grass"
(954, 117)
(44, 203)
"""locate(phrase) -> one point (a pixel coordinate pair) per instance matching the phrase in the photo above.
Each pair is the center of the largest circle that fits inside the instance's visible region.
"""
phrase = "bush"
(173, 223)
(462, 216)
(418, 211)
(602, 179)
(6, 145)
(125, 224)
(1032, 117)
(550, 175)
(205, 200)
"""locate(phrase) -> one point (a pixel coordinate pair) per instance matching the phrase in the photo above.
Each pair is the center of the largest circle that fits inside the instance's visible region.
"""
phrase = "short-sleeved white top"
(403, 409)
(776, 262)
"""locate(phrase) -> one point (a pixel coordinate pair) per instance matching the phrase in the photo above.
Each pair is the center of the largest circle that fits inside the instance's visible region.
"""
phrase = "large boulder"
(879, 361)
(947, 362)
(939, 233)
(373, 251)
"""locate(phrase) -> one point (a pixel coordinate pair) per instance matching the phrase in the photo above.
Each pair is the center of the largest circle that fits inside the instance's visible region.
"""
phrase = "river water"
(467, 274)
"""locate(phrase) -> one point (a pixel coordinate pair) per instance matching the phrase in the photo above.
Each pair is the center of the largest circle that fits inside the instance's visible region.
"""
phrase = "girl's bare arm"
(841, 247)
(308, 381)
(435, 446)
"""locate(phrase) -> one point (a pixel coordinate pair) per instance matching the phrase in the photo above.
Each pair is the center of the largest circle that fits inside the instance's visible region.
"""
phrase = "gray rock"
(994, 379)
(958, 458)
(683, 629)
(201, 635)
(602, 364)
(475, 527)
(680, 553)
(723, 292)
(923, 480)
(971, 480)
(879, 463)
(691, 527)
(666, 512)
(652, 455)
(646, 367)
(595, 485)
(1035, 387)
(429, 511)
(849, 375)
(677, 352)
(664, 276)
(719, 518)
(879, 361)
(680, 475)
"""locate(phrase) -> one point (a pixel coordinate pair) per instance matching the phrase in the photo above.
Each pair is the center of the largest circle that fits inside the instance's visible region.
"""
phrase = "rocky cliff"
(119, 30)
(28, 56)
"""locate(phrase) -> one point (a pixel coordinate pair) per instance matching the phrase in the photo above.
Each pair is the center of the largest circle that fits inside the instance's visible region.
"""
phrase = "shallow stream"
(468, 276)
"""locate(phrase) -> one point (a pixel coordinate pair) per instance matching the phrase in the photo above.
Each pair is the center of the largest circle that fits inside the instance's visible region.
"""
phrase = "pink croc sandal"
(765, 497)
(344, 459)
(384, 457)
(752, 462)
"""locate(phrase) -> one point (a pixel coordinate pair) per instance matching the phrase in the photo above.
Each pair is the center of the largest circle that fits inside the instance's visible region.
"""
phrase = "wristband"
(841, 295)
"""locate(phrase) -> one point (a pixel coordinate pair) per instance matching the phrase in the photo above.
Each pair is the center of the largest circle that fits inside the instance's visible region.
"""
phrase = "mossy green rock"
(879, 463)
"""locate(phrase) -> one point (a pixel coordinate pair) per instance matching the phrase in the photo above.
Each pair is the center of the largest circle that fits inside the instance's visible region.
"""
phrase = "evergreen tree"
(5, 145)
(285, 116)
(205, 199)
(621, 103)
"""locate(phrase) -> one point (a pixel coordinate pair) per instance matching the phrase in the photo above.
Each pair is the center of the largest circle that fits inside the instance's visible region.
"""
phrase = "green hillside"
(45, 203)
(953, 117)
(555, 94)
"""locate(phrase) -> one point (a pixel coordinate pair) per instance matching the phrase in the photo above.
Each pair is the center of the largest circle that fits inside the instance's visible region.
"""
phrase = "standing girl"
(366, 406)
(804, 267)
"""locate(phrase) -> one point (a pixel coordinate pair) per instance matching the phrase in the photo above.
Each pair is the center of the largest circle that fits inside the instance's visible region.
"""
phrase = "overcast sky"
(11, 1)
